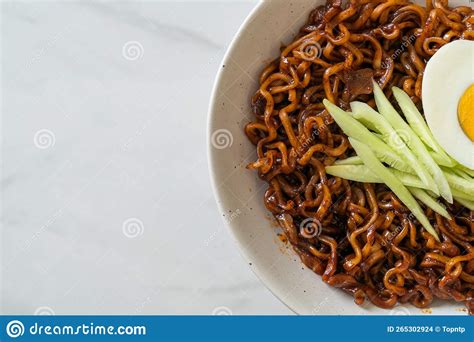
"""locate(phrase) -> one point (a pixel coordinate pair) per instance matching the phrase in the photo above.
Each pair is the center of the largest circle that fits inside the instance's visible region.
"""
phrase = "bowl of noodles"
(321, 243)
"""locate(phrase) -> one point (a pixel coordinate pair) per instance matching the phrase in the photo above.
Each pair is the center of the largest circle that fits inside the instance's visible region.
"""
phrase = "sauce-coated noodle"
(358, 237)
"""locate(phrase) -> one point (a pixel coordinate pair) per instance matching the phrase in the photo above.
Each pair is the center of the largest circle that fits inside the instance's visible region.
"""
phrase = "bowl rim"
(212, 163)
(211, 158)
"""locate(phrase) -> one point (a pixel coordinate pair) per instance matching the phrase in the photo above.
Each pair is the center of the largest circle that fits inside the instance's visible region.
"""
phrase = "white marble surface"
(106, 200)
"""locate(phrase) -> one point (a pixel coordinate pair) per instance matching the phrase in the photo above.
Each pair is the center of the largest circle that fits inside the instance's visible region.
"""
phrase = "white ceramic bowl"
(239, 192)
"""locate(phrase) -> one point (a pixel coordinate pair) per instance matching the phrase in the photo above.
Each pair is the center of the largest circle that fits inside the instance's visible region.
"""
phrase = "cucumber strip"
(356, 173)
(365, 113)
(461, 173)
(371, 161)
(355, 129)
(465, 169)
(413, 142)
(441, 161)
(429, 201)
(361, 173)
(432, 194)
(349, 161)
(459, 183)
(462, 195)
(418, 124)
(409, 179)
(378, 135)
(359, 107)
(468, 204)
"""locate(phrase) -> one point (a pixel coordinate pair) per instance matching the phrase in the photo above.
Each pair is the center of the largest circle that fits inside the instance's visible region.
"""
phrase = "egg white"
(447, 76)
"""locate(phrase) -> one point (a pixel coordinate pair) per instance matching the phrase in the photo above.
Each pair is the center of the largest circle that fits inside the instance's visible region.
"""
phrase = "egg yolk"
(466, 112)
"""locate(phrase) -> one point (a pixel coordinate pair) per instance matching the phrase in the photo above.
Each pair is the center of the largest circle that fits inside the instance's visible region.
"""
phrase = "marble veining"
(106, 200)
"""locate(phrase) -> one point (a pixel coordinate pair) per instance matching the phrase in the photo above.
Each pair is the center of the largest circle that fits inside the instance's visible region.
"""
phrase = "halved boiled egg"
(448, 99)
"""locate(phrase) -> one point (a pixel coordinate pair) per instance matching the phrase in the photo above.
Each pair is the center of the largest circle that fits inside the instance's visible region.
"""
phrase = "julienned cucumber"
(463, 185)
(429, 201)
(462, 195)
(353, 128)
(411, 139)
(467, 203)
(442, 161)
(356, 173)
(355, 160)
(361, 173)
(370, 132)
(418, 124)
(465, 169)
(460, 173)
(365, 114)
(371, 161)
